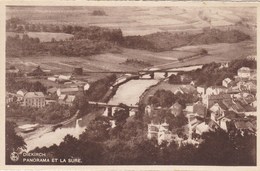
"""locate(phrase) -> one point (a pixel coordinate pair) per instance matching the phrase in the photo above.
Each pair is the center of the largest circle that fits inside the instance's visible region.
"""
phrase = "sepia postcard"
(129, 85)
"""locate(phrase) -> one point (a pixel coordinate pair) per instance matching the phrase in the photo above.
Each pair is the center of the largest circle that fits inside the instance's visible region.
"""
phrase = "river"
(130, 92)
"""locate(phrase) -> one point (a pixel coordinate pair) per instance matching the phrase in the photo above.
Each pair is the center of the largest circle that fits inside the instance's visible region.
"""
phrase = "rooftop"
(219, 96)
(244, 69)
(33, 95)
(70, 89)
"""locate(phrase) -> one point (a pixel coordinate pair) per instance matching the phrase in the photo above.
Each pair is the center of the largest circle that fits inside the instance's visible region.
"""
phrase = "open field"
(112, 61)
(138, 20)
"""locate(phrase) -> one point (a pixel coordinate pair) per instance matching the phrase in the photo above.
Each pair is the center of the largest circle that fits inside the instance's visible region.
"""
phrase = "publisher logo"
(14, 156)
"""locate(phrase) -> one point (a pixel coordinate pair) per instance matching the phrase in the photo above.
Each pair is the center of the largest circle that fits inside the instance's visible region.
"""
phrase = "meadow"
(137, 20)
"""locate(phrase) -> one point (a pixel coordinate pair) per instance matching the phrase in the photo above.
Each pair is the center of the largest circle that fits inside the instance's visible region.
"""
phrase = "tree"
(175, 79)
(216, 149)
(120, 117)
(97, 130)
(81, 103)
(162, 98)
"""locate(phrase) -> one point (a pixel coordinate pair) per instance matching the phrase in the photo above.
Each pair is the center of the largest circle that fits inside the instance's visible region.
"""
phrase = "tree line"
(95, 40)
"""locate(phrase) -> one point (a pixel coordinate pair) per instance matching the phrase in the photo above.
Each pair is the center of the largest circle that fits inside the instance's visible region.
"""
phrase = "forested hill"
(95, 40)
(164, 41)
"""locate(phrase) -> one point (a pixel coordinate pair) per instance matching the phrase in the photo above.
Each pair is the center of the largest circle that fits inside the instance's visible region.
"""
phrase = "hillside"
(164, 41)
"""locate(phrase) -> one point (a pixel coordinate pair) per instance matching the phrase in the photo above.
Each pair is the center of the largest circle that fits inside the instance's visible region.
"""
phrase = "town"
(231, 106)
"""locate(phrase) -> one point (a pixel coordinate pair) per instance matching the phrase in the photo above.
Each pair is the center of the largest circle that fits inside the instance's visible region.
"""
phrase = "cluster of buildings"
(25, 98)
(230, 107)
(64, 93)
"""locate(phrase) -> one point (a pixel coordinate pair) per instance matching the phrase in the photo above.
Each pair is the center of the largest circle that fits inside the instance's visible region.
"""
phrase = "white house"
(160, 132)
(201, 128)
(215, 90)
(34, 99)
(227, 82)
(223, 123)
(52, 79)
(244, 72)
(148, 110)
(64, 77)
(216, 112)
(201, 90)
(20, 94)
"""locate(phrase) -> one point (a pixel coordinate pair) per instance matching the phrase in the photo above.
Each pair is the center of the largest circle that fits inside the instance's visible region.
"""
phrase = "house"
(189, 108)
(69, 100)
(47, 102)
(224, 65)
(186, 89)
(200, 109)
(201, 128)
(227, 102)
(216, 90)
(176, 109)
(64, 77)
(160, 132)
(34, 99)
(68, 91)
(253, 75)
(12, 72)
(254, 104)
(194, 83)
(224, 123)
(62, 97)
(66, 99)
(113, 123)
(52, 79)
(185, 78)
(9, 97)
(213, 125)
(210, 100)
(244, 72)
(248, 98)
(148, 110)
(52, 90)
(236, 107)
(251, 57)
(243, 125)
(250, 86)
(201, 90)
(227, 82)
(37, 72)
(217, 112)
(20, 94)
(132, 112)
